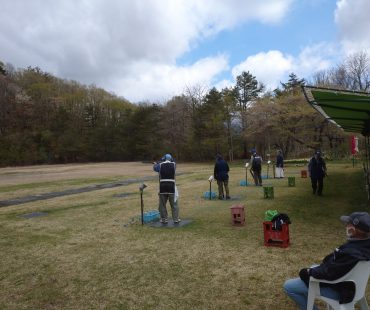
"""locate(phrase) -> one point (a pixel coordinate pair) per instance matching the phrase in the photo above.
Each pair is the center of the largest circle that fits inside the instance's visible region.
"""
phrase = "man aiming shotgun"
(166, 169)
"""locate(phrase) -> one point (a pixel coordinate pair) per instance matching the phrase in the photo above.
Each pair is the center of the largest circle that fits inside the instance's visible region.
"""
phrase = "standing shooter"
(221, 174)
(317, 170)
(256, 168)
(167, 188)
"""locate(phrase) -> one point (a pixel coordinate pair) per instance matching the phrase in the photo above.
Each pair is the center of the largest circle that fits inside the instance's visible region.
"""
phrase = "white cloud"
(107, 42)
(268, 68)
(163, 81)
(314, 58)
(224, 84)
(352, 19)
(273, 67)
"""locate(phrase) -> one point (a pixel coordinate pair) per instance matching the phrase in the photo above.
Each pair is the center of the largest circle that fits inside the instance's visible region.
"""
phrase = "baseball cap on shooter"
(360, 220)
(168, 157)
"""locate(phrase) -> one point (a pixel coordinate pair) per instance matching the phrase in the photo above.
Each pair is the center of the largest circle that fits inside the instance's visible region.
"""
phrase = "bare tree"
(321, 78)
(352, 74)
(339, 77)
(358, 70)
(196, 94)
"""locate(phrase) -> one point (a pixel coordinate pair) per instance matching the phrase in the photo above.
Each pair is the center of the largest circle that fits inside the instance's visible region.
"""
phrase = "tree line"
(45, 119)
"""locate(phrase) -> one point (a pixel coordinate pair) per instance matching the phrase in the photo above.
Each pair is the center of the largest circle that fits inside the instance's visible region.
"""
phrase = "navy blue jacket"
(340, 262)
(221, 171)
(280, 161)
(317, 168)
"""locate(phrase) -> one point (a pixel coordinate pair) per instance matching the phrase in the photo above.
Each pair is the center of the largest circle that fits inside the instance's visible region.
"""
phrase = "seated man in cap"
(167, 188)
(336, 264)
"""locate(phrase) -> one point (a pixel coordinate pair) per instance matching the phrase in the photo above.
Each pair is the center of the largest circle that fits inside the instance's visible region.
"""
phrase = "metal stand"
(268, 166)
(142, 208)
(141, 188)
(246, 174)
(210, 179)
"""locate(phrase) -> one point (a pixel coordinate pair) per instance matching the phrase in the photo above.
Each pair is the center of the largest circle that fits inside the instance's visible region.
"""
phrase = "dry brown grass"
(83, 255)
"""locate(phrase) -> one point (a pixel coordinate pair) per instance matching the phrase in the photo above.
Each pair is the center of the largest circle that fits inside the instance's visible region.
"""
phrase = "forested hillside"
(45, 119)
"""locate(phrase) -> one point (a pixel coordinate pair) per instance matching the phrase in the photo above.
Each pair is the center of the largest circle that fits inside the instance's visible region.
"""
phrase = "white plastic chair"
(358, 274)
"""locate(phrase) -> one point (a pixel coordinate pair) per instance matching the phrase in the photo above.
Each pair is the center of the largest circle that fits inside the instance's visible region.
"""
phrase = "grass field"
(87, 253)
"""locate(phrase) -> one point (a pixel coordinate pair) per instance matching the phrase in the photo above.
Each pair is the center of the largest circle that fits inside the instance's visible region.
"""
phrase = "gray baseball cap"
(360, 220)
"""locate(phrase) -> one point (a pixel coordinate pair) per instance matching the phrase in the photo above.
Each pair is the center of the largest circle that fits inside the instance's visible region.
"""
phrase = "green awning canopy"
(347, 109)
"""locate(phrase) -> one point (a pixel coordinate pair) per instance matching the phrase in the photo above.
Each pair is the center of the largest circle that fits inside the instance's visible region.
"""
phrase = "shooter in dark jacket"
(317, 170)
(221, 174)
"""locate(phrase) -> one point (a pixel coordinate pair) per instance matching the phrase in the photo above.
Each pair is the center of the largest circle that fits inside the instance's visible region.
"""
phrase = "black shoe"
(220, 198)
(228, 198)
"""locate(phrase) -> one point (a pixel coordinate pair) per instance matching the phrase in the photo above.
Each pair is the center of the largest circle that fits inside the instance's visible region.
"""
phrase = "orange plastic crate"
(279, 238)
(303, 173)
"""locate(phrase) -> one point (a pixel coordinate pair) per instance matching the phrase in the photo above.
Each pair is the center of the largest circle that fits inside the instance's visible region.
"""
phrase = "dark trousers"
(317, 185)
(257, 177)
